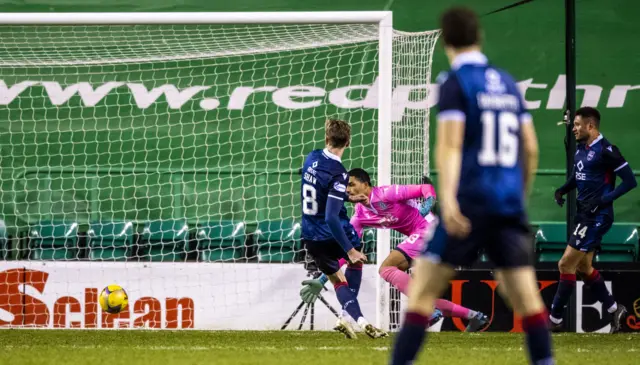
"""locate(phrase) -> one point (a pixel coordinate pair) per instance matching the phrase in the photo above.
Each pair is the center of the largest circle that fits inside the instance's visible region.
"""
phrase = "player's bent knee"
(566, 266)
(584, 270)
(386, 272)
(337, 277)
(395, 259)
(384, 268)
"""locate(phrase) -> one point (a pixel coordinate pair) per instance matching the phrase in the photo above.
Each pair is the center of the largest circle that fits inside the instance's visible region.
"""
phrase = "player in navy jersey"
(486, 154)
(326, 232)
(597, 162)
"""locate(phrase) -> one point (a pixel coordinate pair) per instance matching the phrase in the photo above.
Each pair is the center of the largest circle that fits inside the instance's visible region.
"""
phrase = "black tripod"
(309, 307)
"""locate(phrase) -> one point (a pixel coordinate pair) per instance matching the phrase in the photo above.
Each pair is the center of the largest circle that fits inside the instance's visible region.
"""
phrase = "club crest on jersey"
(493, 82)
(591, 155)
(339, 187)
(381, 205)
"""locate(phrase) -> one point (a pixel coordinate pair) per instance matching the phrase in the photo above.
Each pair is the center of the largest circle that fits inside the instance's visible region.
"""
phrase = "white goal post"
(160, 150)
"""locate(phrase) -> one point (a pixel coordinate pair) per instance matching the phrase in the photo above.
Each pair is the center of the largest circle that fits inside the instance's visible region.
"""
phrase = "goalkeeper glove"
(310, 290)
(426, 205)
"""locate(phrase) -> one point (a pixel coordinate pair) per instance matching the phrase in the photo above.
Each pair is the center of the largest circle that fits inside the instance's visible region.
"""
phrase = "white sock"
(555, 320)
(346, 315)
(613, 308)
(471, 314)
(362, 322)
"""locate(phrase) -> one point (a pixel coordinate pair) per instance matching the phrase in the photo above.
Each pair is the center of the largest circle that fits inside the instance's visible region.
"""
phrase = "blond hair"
(337, 133)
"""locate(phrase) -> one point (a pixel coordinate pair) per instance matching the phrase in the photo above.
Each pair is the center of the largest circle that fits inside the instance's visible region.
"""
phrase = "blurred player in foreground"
(486, 155)
(597, 162)
(394, 207)
(326, 232)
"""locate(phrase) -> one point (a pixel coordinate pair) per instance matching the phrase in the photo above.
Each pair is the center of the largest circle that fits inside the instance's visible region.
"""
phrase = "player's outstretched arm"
(530, 153)
(400, 193)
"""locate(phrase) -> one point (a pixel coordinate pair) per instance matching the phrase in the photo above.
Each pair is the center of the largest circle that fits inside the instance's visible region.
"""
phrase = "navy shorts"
(326, 254)
(507, 241)
(588, 232)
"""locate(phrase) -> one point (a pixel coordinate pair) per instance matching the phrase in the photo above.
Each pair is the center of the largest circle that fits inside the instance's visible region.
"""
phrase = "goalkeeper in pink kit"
(395, 207)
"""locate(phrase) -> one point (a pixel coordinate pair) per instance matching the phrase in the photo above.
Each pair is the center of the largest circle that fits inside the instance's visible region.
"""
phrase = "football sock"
(597, 286)
(353, 273)
(410, 338)
(396, 277)
(565, 288)
(450, 309)
(538, 339)
(348, 300)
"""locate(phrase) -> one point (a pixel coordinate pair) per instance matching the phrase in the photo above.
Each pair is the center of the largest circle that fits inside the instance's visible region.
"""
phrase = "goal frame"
(384, 20)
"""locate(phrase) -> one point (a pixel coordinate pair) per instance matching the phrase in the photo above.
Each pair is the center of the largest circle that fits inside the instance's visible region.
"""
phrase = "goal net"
(166, 159)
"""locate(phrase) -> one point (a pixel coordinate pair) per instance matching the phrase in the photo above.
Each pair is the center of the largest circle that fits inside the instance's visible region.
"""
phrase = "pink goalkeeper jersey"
(392, 207)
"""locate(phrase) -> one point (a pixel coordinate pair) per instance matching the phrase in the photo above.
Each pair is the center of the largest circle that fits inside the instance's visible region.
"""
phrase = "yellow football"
(113, 299)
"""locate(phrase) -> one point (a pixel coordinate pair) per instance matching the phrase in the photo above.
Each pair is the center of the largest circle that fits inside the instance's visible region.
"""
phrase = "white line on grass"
(270, 348)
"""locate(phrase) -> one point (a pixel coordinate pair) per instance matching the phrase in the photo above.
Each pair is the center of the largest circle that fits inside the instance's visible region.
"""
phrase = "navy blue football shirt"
(594, 168)
(323, 178)
(488, 101)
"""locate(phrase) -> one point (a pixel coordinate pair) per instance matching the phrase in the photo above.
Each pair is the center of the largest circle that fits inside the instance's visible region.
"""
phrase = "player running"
(596, 163)
(486, 155)
(394, 207)
(326, 231)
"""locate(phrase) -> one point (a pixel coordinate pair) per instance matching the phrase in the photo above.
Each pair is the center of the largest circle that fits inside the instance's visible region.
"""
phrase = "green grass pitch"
(265, 348)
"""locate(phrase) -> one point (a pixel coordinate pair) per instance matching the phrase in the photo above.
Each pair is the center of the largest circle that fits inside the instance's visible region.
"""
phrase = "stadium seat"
(550, 256)
(550, 241)
(221, 241)
(165, 240)
(620, 244)
(277, 241)
(53, 241)
(110, 241)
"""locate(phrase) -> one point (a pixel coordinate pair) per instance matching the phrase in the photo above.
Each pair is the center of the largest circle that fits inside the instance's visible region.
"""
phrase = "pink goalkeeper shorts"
(414, 245)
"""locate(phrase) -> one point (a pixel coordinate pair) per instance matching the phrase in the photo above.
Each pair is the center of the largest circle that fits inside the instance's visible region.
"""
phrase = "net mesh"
(126, 150)
(412, 98)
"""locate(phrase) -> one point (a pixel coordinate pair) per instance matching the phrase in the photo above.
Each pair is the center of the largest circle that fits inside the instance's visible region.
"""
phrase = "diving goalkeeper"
(394, 207)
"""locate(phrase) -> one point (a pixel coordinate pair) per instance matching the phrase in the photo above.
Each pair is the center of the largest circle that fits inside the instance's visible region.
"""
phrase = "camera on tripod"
(313, 272)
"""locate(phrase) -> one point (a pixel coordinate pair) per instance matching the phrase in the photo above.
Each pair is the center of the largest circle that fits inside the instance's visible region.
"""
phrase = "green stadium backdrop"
(528, 41)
